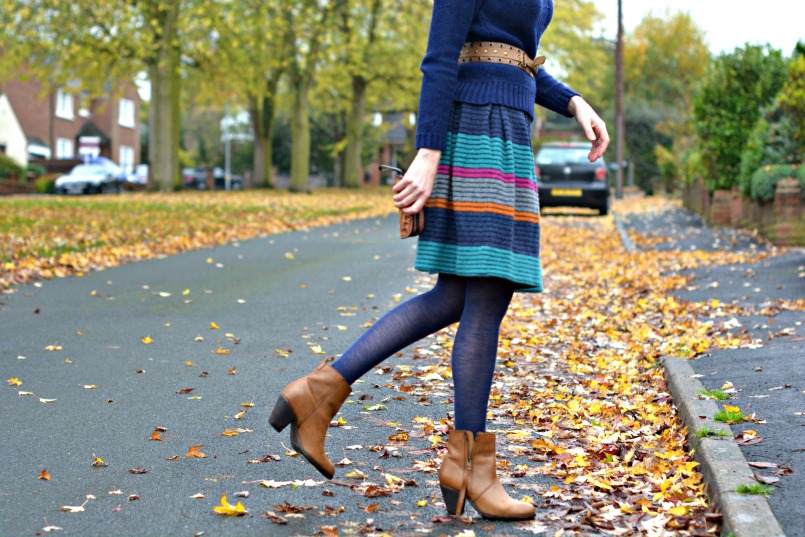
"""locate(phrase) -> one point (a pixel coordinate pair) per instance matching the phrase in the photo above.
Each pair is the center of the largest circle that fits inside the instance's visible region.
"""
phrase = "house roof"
(90, 129)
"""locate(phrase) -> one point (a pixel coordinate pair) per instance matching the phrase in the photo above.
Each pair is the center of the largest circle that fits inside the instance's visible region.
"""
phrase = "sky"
(727, 23)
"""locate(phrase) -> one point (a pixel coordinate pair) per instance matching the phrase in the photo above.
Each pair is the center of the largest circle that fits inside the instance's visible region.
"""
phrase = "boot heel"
(453, 500)
(282, 415)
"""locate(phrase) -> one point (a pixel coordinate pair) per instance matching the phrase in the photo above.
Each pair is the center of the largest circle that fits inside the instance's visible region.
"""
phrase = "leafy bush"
(739, 84)
(772, 141)
(9, 167)
(792, 100)
(46, 184)
(36, 170)
(765, 180)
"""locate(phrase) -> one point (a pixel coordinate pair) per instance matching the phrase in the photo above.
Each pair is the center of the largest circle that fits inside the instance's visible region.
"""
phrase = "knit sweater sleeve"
(449, 27)
(552, 94)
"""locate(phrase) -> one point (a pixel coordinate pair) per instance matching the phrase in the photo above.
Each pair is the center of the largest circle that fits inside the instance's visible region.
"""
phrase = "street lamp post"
(619, 89)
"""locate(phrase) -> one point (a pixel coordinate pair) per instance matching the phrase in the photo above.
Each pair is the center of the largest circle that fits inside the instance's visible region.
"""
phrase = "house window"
(64, 148)
(64, 105)
(127, 159)
(126, 118)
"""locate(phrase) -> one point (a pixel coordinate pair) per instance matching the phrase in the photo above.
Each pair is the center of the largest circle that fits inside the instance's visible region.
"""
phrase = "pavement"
(766, 378)
(116, 357)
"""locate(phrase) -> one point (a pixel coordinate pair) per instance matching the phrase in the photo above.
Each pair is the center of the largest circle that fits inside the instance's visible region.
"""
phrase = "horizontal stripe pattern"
(482, 218)
(491, 190)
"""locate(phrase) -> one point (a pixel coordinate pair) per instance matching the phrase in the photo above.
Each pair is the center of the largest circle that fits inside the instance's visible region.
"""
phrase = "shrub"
(765, 180)
(739, 84)
(46, 184)
(35, 170)
(792, 98)
(9, 167)
(801, 179)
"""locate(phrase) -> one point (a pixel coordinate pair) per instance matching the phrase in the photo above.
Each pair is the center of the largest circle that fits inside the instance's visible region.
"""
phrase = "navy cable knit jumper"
(520, 23)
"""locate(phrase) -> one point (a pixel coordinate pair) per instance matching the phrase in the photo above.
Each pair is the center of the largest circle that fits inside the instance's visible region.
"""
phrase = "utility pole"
(619, 89)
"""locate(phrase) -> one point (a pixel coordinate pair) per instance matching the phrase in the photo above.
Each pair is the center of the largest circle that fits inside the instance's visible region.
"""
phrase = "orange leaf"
(232, 371)
(222, 350)
(195, 451)
(155, 436)
(44, 475)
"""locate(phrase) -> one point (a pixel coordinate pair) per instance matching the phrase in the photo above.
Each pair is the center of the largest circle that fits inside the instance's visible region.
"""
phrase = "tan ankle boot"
(308, 404)
(476, 479)
(454, 473)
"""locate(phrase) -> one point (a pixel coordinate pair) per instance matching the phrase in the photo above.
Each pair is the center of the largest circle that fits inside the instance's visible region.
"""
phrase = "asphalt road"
(275, 296)
(769, 379)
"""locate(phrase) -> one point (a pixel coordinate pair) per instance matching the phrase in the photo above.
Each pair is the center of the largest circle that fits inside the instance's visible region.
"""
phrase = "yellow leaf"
(679, 510)
(186, 292)
(282, 353)
(239, 415)
(214, 326)
(247, 405)
(99, 463)
(225, 508)
(90, 386)
(222, 350)
(230, 432)
(317, 349)
(188, 363)
(422, 503)
(14, 381)
(147, 340)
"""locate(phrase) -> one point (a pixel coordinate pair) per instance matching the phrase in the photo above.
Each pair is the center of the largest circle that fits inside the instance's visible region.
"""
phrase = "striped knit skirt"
(482, 218)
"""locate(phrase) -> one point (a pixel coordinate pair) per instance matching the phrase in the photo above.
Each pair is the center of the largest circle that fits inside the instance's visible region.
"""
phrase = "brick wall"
(33, 110)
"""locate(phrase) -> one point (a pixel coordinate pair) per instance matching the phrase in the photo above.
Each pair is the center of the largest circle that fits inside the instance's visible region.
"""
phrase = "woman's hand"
(413, 190)
(594, 127)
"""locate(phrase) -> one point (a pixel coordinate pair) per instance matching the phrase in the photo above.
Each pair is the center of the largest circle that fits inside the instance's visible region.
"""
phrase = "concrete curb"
(721, 462)
(625, 238)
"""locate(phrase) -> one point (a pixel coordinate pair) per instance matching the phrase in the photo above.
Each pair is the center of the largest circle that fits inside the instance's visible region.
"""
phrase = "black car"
(197, 179)
(566, 178)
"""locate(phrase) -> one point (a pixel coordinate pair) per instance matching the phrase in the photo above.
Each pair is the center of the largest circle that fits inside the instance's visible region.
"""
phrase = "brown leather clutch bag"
(411, 225)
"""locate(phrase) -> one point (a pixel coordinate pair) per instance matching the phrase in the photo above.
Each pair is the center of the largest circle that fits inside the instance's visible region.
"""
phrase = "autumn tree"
(95, 44)
(740, 83)
(665, 59)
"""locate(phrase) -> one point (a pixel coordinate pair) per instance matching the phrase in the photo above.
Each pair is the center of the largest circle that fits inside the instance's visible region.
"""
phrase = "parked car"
(195, 178)
(95, 177)
(219, 176)
(566, 178)
(139, 178)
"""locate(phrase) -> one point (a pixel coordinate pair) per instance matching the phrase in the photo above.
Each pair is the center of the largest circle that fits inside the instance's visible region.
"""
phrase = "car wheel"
(604, 209)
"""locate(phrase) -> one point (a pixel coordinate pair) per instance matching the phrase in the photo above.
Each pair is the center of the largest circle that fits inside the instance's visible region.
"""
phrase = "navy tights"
(479, 304)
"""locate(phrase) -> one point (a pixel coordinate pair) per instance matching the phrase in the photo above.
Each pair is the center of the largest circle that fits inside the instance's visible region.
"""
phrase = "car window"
(562, 155)
(88, 169)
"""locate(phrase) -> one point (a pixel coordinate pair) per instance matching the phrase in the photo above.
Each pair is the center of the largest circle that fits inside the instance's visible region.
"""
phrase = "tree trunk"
(262, 113)
(353, 169)
(300, 137)
(165, 111)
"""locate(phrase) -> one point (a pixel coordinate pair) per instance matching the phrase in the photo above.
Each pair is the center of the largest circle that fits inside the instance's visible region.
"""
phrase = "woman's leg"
(475, 349)
(407, 323)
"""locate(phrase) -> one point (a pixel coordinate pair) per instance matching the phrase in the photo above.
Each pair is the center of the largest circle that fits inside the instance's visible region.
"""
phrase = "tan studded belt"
(492, 52)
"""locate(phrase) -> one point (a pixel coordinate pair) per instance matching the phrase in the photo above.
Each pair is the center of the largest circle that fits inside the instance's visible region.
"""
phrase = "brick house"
(66, 125)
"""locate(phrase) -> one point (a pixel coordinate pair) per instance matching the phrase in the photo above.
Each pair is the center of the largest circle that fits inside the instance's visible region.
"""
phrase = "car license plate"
(567, 193)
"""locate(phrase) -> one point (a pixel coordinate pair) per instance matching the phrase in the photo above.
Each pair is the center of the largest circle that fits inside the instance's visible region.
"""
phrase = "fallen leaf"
(147, 340)
(155, 436)
(214, 326)
(72, 508)
(99, 463)
(232, 371)
(14, 381)
(90, 386)
(139, 470)
(225, 508)
(195, 451)
(44, 475)
(222, 350)
(230, 432)
(185, 390)
(197, 496)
